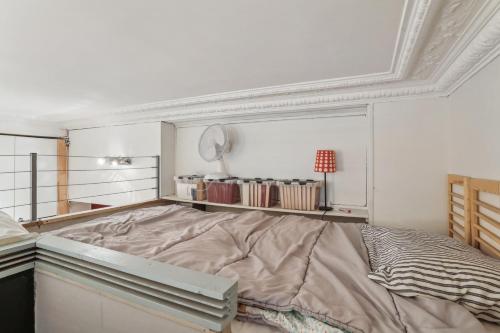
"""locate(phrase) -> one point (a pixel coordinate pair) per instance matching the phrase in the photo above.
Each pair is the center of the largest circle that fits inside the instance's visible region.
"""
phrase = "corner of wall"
(168, 139)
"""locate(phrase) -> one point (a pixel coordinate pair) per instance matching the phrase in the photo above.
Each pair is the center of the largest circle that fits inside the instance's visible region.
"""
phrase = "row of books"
(226, 192)
(300, 195)
(190, 187)
(293, 194)
(259, 193)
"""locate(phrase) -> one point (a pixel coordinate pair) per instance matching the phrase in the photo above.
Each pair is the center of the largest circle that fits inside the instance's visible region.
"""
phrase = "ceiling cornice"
(479, 52)
(445, 69)
(272, 107)
(417, 19)
(452, 19)
(410, 23)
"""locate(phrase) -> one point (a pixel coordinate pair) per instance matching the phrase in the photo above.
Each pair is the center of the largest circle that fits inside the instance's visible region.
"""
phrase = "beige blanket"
(282, 263)
(12, 231)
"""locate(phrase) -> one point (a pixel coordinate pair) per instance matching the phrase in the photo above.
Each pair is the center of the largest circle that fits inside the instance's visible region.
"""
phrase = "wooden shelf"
(357, 212)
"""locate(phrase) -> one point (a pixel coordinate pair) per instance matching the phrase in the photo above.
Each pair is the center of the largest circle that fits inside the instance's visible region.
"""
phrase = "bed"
(298, 272)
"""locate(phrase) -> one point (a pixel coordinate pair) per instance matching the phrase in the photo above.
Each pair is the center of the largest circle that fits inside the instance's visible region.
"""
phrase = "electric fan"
(214, 143)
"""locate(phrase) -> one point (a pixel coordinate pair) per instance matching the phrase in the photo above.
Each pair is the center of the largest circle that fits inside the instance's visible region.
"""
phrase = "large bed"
(174, 268)
(315, 268)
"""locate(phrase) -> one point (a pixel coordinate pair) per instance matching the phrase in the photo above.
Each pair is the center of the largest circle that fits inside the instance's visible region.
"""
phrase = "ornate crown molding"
(298, 104)
(417, 20)
(411, 24)
(299, 88)
(480, 51)
(453, 17)
(468, 56)
(287, 105)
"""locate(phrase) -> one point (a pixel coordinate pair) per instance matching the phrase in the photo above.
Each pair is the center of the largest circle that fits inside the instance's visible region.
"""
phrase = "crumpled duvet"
(12, 231)
(282, 263)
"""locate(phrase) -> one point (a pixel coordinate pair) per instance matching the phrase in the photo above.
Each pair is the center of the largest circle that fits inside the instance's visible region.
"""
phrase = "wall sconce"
(114, 161)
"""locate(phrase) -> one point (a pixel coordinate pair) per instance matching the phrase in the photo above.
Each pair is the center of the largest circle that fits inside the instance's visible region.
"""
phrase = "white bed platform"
(84, 288)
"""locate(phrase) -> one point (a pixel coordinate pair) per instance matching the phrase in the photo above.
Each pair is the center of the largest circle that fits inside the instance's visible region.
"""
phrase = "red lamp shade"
(325, 161)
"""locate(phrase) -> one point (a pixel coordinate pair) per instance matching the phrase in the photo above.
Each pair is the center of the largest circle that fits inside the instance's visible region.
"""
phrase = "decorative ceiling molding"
(299, 88)
(251, 94)
(469, 54)
(480, 51)
(454, 16)
(286, 105)
(472, 31)
(408, 41)
(298, 104)
(417, 20)
(411, 24)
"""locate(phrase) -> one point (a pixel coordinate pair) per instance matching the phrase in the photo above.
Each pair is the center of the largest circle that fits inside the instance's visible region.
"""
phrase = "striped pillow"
(411, 263)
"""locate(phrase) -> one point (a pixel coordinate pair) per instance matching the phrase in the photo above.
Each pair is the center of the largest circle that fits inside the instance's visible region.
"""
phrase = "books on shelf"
(292, 194)
(223, 191)
(258, 192)
(299, 194)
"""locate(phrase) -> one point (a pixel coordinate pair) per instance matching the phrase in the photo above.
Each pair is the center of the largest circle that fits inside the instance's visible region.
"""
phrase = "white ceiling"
(74, 56)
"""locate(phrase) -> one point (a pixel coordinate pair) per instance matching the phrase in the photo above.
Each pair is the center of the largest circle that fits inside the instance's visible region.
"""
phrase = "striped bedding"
(412, 263)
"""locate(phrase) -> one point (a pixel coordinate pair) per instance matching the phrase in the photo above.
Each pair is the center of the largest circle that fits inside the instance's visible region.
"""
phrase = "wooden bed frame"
(57, 222)
(459, 208)
(474, 214)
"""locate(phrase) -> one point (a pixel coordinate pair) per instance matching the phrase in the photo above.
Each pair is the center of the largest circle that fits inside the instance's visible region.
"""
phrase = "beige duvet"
(315, 267)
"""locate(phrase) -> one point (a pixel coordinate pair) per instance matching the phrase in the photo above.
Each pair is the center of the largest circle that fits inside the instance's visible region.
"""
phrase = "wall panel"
(410, 164)
(286, 149)
(126, 140)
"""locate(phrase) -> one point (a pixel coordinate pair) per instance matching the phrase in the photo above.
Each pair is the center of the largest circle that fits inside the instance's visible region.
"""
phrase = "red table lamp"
(325, 162)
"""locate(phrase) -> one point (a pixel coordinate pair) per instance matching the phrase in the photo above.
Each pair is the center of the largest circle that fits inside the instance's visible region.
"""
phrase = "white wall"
(286, 149)
(410, 162)
(410, 158)
(474, 125)
(126, 140)
(15, 188)
(12, 145)
(7, 180)
(95, 311)
(418, 142)
(168, 134)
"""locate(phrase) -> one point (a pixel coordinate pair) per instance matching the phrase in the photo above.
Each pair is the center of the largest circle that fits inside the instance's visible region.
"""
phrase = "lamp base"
(325, 208)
